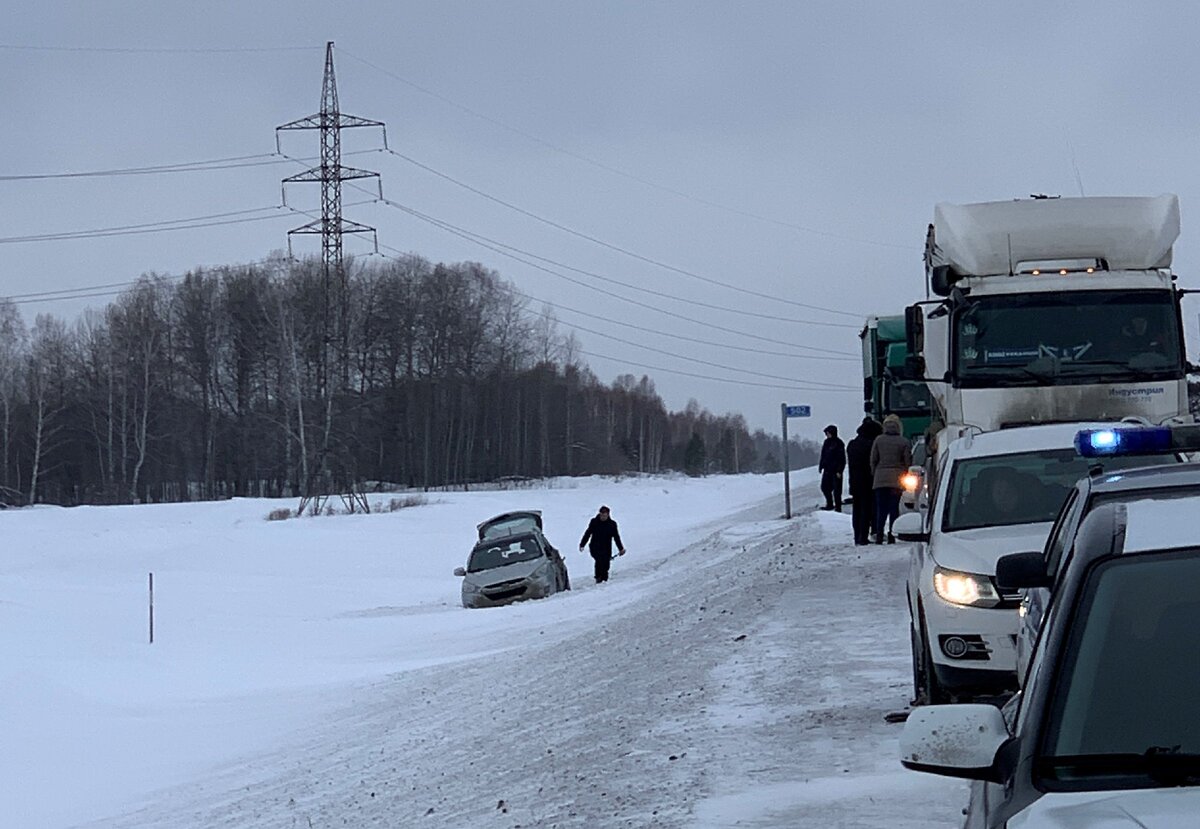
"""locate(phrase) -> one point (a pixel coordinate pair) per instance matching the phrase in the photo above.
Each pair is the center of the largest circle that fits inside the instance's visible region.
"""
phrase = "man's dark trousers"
(831, 488)
(602, 563)
(863, 511)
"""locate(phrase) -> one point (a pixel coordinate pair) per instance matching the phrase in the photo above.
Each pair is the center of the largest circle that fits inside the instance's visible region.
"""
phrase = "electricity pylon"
(331, 173)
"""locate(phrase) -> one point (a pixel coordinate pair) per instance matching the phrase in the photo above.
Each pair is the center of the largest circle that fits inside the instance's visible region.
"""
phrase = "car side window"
(1063, 531)
(934, 505)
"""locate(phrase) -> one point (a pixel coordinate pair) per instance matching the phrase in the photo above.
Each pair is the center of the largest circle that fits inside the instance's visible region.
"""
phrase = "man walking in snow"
(602, 532)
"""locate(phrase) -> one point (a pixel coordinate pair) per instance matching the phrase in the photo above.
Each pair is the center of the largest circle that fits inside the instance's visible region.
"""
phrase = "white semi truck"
(1052, 310)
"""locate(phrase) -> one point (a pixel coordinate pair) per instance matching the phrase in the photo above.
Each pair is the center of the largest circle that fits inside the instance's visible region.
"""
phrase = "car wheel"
(929, 690)
(915, 649)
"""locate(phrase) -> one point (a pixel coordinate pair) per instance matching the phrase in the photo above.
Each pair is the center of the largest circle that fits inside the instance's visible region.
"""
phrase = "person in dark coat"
(831, 466)
(862, 481)
(602, 532)
(891, 456)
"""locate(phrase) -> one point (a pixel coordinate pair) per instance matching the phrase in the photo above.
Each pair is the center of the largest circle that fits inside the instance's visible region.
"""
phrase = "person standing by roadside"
(599, 536)
(891, 456)
(831, 466)
(862, 481)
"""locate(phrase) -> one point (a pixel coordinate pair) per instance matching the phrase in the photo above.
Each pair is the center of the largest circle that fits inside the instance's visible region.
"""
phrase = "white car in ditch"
(512, 561)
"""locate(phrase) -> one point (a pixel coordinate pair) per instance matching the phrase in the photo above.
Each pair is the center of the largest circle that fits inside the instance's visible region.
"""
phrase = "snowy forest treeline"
(235, 381)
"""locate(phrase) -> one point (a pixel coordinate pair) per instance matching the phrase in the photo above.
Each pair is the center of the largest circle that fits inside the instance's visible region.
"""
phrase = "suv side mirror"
(910, 527)
(458, 571)
(1017, 570)
(956, 741)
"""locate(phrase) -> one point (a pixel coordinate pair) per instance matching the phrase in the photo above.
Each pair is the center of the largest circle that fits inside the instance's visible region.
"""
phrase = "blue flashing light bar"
(1147, 440)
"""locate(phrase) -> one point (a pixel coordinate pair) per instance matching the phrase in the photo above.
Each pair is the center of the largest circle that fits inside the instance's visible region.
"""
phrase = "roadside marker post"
(787, 411)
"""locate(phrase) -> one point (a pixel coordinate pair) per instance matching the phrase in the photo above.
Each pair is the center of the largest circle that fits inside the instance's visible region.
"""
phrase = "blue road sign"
(799, 411)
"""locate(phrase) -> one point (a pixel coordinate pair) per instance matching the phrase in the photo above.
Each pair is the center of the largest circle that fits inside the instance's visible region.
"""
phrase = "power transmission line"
(164, 50)
(617, 171)
(793, 387)
(232, 162)
(187, 167)
(88, 291)
(558, 306)
(147, 227)
(162, 226)
(709, 325)
(662, 294)
(617, 248)
(827, 386)
(706, 376)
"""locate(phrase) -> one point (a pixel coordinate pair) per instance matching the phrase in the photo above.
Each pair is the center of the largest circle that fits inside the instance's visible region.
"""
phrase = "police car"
(995, 493)
(1036, 573)
(1105, 731)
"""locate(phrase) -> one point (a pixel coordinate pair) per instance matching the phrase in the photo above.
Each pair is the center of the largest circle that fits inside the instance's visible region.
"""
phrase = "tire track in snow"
(656, 715)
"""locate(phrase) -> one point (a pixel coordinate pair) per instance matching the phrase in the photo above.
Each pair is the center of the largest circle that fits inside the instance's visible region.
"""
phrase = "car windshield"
(500, 552)
(1036, 339)
(1018, 488)
(1123, 710)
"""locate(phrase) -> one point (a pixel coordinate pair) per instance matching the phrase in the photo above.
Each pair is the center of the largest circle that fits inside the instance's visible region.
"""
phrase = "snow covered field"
(321, 671)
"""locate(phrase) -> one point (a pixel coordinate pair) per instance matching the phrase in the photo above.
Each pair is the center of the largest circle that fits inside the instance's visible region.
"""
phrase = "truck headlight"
(968, 589)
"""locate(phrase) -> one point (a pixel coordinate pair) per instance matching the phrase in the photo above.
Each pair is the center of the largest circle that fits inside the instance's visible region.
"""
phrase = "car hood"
(976, 551)
(509, 572)
(1141, 808)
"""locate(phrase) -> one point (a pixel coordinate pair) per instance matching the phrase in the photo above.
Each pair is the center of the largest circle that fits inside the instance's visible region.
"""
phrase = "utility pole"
(330, 173)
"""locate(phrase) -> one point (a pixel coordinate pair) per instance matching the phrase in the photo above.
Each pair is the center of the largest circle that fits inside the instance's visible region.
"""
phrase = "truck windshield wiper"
(1008, 372)
(1166, 765)
(1125, 368)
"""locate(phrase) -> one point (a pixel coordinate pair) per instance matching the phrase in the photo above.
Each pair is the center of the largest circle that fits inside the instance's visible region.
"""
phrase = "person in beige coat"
(891, 456)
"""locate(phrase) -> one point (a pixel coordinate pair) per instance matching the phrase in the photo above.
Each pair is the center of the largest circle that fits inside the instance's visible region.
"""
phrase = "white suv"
(993, 494)
(1105, 732)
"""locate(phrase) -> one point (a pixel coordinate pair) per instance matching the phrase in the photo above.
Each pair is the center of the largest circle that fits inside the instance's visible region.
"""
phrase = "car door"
(1034, 601)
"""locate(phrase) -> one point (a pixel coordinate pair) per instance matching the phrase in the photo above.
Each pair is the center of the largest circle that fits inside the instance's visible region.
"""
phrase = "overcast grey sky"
(791, 149)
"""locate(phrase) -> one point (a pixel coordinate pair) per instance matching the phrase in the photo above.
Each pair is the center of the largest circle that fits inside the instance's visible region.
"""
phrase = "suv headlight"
(968, 589)
(471, 587)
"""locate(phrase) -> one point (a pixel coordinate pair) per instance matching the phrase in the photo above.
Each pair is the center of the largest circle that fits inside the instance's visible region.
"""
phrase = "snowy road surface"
(736, 678)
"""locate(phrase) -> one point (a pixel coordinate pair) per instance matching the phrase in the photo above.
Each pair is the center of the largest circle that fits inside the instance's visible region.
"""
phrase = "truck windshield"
(908, 398)
(1122, 713)
(1080, 336)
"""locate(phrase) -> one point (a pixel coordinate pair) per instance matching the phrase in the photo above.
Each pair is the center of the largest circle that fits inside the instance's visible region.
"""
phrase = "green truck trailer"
(888, 386)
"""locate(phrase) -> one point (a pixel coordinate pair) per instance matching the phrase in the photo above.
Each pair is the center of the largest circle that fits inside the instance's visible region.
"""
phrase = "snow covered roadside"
(325, 684)
(800, 736)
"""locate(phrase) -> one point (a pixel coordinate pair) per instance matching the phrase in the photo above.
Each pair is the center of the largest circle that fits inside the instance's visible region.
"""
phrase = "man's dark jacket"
(602, 535)
(833, 456)
(858, 460)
